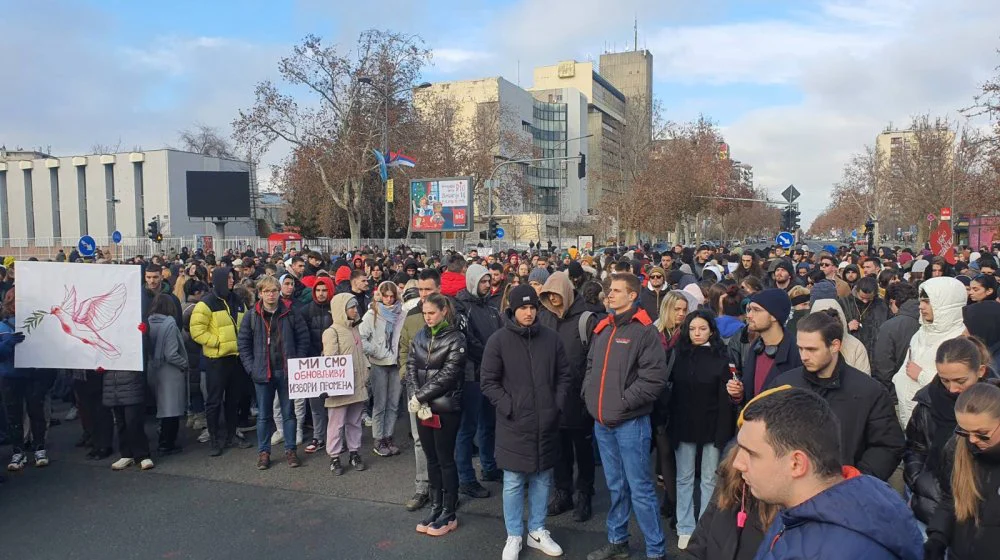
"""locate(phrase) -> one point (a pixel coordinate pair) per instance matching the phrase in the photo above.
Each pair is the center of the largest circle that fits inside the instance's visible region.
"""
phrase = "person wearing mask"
(269, 336)
(854, 352)
(654, 293)
(959, 366)
(526, 376)
(964, 525)
(701, 414)
(893, 341)
(214, 323)
(344, 411)
(871, 439)
(790, 456)
(167, 371)
(866, 312)
(435, 374)
(773, 352)
(799, 297)
(380, 330)
(619, 390)
(318, 318)
(567, 314)
(941, 303)
(479, 320)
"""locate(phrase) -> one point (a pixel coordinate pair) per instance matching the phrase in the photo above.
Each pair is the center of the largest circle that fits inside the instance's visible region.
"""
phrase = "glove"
(99, 369)
(143, 328)
(18, 337)
(425, 412)
(414, 405)
(934, 549)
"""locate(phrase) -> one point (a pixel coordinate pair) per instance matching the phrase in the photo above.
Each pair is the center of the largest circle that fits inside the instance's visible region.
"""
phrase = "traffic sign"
(785, 239)
(931, 217)
(87, 246)
(854, 234)
(791, 194)
(499, 233)
(946, 213)
(116, 236)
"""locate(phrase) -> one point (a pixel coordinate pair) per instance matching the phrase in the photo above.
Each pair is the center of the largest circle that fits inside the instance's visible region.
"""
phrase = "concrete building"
(632, 73)
(49, 201)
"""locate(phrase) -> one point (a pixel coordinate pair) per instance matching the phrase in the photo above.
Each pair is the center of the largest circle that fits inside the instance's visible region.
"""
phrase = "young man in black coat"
(525, 374)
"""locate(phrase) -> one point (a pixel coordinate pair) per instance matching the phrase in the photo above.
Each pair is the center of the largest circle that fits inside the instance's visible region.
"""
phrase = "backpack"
(582, 326)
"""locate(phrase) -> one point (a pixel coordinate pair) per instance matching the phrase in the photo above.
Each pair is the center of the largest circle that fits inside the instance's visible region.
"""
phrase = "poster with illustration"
(438, 205)
(78, 316)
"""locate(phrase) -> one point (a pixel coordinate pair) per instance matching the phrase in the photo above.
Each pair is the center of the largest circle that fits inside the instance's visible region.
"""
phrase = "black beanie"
(522, 295)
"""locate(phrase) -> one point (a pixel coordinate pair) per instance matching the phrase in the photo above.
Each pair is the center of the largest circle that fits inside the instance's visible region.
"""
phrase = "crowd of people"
(761, 403)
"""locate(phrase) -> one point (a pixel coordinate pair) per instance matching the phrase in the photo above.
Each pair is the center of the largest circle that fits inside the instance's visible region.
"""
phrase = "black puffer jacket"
(526, 376)
(871, 316)
(574, 413)
(923, 456)
(435, 368)
(123, 388)
(968, 540)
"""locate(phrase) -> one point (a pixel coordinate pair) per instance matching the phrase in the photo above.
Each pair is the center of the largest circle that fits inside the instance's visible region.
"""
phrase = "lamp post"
(387, 97)
(563, 163)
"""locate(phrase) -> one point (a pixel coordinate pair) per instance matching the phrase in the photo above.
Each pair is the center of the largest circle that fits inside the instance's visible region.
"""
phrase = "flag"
(399, 159)
(382, 171)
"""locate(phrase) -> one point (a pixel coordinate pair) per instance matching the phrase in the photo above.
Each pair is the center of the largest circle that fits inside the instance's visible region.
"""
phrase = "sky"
(795, 86)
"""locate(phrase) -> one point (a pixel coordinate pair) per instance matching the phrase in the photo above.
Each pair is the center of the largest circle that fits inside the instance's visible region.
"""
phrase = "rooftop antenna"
(636, 30)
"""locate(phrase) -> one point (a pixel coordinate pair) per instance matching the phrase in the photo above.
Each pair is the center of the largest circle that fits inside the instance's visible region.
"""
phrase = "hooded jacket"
(566, 322)
(167, 367)
(893, 342)
(481, 319)
(215, 319)
(318, 317)
(526, 376)
(871, 317)
(255, 341)
(968, 540)
(861, 517)
(626, 368)
(927, 433)
(851, 348)
(947, 298)
(341, 339)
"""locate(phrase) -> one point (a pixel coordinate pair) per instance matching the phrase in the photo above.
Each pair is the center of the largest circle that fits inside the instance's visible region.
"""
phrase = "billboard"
(218, 194)
(439, 205)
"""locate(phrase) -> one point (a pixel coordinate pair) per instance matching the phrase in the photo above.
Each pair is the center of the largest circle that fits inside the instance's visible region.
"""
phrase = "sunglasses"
(656, 276)
(967, 434)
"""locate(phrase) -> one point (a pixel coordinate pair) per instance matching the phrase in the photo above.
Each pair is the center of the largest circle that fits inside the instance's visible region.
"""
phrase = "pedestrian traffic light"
(581, 167)
(491, 234)
(153, 230)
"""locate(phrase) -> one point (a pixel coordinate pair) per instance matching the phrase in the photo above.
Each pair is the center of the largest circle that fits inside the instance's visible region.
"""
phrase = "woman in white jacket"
(941, 303)
(380, 330)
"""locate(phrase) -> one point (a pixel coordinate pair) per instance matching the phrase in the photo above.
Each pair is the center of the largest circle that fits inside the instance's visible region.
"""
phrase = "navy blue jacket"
(861, 517)
(7, 368)
(252, 340)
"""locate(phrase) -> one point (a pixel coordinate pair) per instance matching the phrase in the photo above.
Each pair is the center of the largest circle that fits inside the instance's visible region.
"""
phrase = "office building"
(632, 73)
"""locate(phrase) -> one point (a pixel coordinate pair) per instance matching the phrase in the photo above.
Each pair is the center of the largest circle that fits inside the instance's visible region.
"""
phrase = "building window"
(81, 196)
(56, 213)
(109, 192)
(29, 204)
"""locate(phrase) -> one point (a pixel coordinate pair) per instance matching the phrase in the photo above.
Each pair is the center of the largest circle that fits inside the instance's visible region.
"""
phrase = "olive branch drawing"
(33, 320)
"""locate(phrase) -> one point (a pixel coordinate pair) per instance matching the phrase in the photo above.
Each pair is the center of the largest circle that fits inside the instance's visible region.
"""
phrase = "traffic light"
(581, 167)
(793, 218)
(491, 234)
(153, 230)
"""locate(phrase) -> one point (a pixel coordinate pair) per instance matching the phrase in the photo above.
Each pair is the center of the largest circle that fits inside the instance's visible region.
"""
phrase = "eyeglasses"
(655, 276)
(967, 434)
(270, 291)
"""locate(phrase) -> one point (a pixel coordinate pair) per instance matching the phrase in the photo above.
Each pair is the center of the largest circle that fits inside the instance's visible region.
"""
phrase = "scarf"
(943, 416)
(391, 314)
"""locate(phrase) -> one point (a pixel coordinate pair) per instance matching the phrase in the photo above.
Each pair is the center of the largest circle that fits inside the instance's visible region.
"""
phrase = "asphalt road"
(192, 506)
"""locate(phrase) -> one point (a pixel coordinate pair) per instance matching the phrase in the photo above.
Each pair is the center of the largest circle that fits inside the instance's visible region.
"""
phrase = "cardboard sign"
(312, 377)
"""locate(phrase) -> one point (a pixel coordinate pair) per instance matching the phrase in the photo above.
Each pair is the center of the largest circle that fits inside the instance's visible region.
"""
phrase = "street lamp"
(387, 97)
(563, 163)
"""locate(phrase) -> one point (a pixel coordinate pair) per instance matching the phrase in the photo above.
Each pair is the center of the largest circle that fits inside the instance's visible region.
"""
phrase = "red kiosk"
(284, 241)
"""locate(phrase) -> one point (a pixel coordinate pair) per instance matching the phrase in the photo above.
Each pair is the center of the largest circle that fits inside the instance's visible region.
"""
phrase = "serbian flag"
(399, 159)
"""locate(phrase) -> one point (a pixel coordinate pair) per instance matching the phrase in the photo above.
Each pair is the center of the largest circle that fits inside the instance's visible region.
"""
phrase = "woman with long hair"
(380, 329)
(672, 312)
(703, 417)
(167, 371)
(435, 373)
(983, 287)
(959, 366)
(966, 523)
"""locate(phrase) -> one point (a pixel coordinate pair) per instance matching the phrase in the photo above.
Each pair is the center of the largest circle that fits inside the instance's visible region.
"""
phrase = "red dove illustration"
(84, 321)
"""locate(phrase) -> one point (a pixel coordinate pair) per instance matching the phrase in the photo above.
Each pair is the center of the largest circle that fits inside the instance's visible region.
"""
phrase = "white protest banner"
(79, 316)
(311, 377)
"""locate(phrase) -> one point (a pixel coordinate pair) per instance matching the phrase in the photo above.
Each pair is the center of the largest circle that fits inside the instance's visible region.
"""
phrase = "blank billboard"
(218, 194)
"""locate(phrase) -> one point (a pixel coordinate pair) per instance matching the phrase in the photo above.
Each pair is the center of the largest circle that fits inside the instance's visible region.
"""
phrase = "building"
(606, 114)
(52, 201)
(632, 73)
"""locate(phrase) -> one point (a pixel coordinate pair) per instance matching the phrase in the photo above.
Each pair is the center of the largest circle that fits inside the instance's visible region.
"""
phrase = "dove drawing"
(85, 321)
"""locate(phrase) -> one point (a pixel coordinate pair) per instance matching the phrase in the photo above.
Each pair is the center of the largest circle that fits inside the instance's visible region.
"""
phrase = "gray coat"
(168, 367)
(123, 388)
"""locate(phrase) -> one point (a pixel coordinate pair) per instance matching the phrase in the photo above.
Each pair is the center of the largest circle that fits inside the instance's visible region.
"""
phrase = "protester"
(983, 287)
(866, 312)
(653, 293)
(380, 330)
(344, 411)
(526, 376)
(318, 318)
(983, 322)
(773, 352)
(167, 370)
(893, 341)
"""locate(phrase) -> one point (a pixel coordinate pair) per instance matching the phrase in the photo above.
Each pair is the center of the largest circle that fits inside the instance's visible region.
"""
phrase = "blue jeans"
(265, 394)
(686, 455)
(478, 421)
(514, 484)
(625, 453)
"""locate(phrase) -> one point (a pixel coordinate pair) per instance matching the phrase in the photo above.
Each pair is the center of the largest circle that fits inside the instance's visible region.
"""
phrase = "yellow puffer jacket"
(212, 327)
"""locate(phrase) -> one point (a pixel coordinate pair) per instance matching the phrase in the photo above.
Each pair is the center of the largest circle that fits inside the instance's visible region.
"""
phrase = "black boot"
(436, 508)
(560, 503)
(216, 447)
(582, 510)
(447, 521)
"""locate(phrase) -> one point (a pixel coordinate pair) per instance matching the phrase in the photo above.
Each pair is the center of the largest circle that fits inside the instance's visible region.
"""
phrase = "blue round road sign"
(499, 233)
(116, 236)
(785, 239)
(87, 246)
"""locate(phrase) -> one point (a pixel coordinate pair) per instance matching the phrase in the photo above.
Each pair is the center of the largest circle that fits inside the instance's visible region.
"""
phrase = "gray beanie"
(824, 289)
(538, 274)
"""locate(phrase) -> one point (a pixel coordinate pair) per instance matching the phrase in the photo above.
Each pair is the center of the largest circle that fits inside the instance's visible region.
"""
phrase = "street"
(192, 506)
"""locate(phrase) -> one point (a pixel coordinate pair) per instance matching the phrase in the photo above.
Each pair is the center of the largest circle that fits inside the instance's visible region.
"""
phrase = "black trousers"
(169, 428)
(439, 448)
(224, 384)
(132, 442)
(667, 467)
(577, 448)
(27, 393)
(96, 418)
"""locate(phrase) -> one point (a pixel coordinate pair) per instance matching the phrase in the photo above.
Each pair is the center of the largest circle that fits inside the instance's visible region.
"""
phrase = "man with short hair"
(828, 265)
(790, 456)
(153, 276)
(893, 341)
(871, 438)
(870, 267)
(654, 293)
(667, 261)
(626, 372)
(773, 352)
(359, 289)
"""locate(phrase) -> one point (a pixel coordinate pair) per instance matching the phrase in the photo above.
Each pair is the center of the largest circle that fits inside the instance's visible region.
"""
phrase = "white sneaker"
(122, 464)
(512, 549)
(146, 464)
(277, 437)
(204, 436)
(17, 462)
(71, 414)
(542, 540)
(682, 541)
(41, 458)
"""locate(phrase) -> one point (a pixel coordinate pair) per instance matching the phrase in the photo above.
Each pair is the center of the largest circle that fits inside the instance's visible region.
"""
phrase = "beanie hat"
(343, 274)
(824, 289)
(675, 277)
(522, 295)
(782, 263)
(538, 274)
(775, 301)
(657, 270)
(575, 270)
(920, 266)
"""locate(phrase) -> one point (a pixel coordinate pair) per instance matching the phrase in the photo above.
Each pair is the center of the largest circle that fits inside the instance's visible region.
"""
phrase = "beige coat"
(852, 349)
(343, 338)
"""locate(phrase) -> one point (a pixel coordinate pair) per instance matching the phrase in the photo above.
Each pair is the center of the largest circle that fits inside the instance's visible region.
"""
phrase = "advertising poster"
(441, 205)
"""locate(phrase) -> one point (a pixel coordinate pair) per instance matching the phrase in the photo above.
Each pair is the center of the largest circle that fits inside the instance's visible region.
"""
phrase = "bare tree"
(207, 140)
(98, 148)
